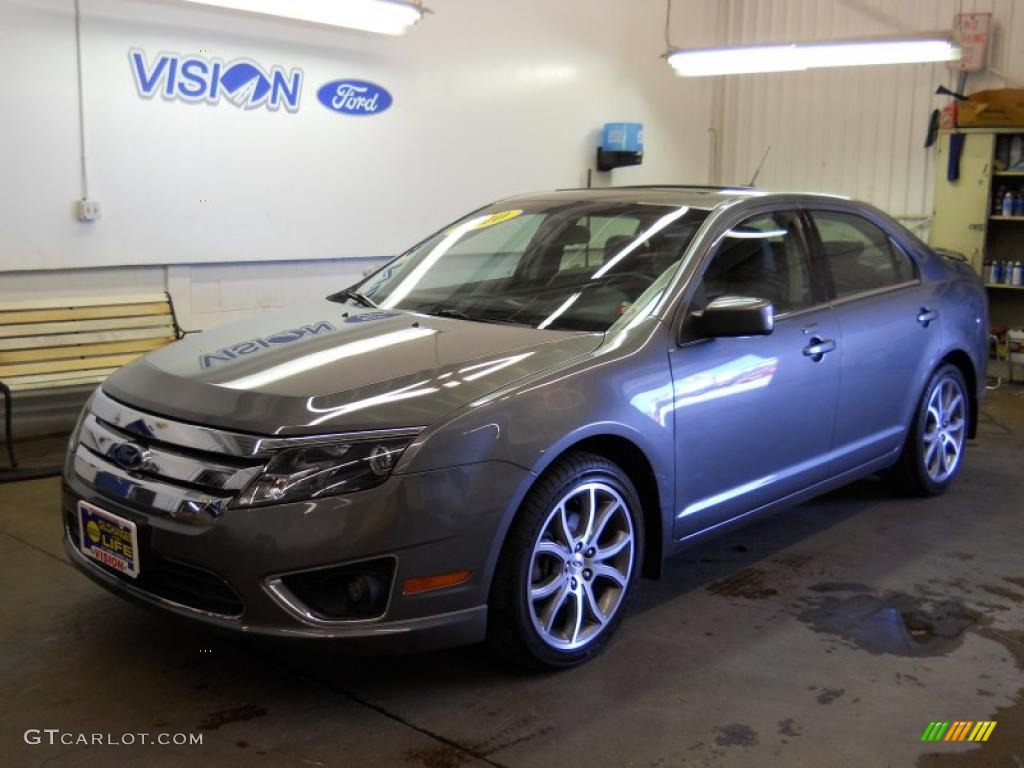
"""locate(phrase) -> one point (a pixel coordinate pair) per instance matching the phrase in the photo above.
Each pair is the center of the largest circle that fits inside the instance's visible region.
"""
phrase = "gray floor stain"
(1003, 592)
(788, 727)
(892, 623)
(215, 720)
(748, 583)
(829, 695)
(736, 735)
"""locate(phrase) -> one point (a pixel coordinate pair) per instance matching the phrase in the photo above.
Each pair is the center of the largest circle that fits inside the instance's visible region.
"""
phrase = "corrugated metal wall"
(855, 131)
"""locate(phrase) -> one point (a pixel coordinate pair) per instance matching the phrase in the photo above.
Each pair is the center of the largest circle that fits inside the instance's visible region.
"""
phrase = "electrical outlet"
(88, 210)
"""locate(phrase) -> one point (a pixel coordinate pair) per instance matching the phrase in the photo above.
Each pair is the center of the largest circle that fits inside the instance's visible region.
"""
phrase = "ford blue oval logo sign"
(354, 97)
(129, 455)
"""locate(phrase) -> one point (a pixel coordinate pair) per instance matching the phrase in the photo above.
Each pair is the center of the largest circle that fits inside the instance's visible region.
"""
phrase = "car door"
(754, 415)
(890, 331)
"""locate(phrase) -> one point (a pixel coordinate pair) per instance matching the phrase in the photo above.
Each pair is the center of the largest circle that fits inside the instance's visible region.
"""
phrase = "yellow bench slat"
(82, 301)
(93, 337)
(75, 326)
(81, 350)
(22, 369)
(65, 380)
(83, 313)
(40, 380)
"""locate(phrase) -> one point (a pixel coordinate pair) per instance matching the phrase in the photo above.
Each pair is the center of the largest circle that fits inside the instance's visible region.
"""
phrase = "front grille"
(181, 583)
(163, 467)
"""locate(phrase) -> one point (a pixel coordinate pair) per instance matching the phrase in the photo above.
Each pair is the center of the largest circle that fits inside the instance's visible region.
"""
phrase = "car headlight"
(311, 472)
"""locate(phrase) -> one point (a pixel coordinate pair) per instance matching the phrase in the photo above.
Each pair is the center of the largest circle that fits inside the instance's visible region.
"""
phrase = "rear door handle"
(926, 315)
(818, 348)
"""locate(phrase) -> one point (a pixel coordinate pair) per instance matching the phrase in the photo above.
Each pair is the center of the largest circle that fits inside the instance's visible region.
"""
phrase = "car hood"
(326, 367)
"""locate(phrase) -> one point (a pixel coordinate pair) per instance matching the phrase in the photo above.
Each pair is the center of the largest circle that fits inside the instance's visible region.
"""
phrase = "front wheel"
(935, 445)
(569, 565)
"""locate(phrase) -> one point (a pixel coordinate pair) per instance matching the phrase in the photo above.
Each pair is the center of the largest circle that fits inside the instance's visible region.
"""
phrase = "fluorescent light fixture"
(791, 57)
(387, 17)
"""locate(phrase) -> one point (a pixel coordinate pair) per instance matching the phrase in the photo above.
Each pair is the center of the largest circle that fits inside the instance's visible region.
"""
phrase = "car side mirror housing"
(735, 316)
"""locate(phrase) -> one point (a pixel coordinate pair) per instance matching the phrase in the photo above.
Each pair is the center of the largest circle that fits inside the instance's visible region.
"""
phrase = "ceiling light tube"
(386, 17)
(791, 57)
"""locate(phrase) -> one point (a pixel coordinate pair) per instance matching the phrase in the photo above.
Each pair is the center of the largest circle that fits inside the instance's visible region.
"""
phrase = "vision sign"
(199, 79)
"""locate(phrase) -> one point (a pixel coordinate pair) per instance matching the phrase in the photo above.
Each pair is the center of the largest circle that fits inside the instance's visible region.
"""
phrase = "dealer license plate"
(110, 539)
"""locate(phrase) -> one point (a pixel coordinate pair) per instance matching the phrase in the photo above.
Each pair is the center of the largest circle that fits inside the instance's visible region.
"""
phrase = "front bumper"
(430, 523)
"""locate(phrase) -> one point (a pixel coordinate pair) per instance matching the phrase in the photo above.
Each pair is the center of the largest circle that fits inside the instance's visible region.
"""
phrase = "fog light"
(364, 591)
(355, 591)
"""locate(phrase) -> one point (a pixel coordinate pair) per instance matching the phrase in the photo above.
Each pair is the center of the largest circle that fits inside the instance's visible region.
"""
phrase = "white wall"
(857, 131)
(492, 98)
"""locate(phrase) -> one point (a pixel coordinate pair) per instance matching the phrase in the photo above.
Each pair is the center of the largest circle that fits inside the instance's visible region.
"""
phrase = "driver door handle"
(818, 348)
(926, 315)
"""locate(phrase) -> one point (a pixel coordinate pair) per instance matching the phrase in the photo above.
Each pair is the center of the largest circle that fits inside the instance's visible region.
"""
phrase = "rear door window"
(860, 255)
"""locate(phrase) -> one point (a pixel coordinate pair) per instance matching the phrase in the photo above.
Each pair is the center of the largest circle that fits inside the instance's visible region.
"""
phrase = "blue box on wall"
(621, 144)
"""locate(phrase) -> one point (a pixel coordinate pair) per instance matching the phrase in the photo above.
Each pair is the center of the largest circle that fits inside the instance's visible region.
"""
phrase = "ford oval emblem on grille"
(129, 455)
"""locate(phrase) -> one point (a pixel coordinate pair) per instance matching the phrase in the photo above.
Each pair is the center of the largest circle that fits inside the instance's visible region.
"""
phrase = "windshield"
(569, 266)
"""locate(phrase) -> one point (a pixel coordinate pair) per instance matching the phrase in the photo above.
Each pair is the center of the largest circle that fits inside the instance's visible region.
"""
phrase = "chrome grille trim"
(167, 464)
(150, 427)
(187, 472)
(183, 504)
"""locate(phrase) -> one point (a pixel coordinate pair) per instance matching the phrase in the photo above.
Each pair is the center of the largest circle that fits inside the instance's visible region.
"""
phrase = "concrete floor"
(828, 636)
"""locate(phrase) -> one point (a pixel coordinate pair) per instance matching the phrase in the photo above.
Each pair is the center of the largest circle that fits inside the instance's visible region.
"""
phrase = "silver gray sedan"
(500, 431)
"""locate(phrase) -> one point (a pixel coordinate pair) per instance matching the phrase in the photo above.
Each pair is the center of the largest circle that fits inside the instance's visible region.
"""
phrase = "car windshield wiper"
(350, 295)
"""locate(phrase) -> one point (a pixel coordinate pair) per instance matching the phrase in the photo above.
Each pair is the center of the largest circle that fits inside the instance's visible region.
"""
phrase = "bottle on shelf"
(1018, 273)
(997, 201)
(1018, 204)
(1008, 204)
(997, 272)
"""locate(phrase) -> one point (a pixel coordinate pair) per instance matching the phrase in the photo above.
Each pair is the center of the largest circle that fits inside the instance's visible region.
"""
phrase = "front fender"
(623, 390)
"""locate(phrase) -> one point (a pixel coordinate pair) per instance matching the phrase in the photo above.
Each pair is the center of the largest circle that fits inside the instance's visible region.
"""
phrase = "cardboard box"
(999, 108)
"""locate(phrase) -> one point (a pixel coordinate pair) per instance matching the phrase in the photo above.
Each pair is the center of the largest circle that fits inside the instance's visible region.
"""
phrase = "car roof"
(694, 196)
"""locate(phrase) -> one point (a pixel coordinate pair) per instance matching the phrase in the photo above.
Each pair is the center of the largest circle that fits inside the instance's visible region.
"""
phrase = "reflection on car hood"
(327, 367)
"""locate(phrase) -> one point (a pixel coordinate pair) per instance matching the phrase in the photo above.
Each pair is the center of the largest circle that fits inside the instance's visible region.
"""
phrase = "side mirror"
(735, 316)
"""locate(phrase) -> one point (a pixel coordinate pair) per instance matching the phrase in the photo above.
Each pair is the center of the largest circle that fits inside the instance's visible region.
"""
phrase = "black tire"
(512, 633)
(910, 475)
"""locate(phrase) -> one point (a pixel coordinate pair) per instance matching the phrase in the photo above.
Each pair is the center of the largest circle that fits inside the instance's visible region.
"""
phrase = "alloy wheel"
(944, 430)
(580, 566)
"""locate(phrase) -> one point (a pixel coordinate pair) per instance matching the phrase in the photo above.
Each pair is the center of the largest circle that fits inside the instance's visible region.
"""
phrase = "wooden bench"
(61, 343)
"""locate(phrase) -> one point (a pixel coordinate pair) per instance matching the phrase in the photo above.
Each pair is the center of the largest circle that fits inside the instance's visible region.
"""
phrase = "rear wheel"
(569, 565)
(935, 445)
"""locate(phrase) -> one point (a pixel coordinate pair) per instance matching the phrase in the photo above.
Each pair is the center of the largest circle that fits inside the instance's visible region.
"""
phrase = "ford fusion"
(499, 432)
